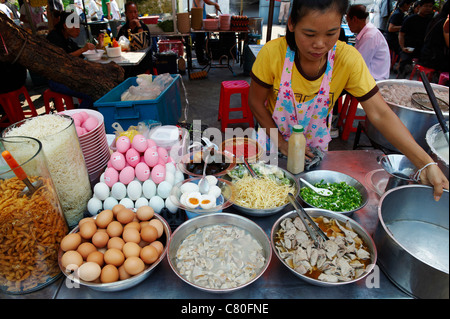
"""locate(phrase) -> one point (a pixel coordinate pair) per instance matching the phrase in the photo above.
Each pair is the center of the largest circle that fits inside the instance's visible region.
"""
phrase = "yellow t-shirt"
(350, 73)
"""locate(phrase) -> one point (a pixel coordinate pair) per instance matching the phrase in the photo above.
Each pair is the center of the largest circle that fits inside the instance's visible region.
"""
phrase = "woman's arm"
(392, 128)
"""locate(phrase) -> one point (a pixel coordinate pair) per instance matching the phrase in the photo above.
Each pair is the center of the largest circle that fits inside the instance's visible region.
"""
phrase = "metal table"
(277, 282)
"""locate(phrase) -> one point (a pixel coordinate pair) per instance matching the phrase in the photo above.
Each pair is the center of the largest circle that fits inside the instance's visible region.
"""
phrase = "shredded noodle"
(260, 193)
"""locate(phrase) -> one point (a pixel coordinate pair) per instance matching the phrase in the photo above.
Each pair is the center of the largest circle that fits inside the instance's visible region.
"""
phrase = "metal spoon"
(320, 191)
(203, 184)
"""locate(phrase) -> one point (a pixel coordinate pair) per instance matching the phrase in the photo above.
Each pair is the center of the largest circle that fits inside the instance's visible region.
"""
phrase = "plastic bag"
(147, 89)
(124, 43)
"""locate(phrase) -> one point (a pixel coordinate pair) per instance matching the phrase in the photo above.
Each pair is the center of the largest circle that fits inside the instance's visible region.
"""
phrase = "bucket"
(183, 22)
(225, 22)
(31, 225)
(197, 18)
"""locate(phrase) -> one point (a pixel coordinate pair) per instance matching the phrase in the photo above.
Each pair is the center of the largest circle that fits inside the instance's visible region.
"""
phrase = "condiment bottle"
(296, 150)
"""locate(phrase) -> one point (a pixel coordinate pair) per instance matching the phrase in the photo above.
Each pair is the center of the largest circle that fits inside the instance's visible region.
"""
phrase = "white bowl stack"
(94, 145)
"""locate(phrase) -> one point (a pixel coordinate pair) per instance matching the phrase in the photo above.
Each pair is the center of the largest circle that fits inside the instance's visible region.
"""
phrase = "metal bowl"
(413, 240)
(192, 225)
(269, 211)
(335, 177)
(314, 212)
(127, 283)
(438, 147)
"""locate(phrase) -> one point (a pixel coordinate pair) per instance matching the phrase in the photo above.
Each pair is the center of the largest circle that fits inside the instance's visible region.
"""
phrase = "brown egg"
(116, 209)
(133, 265)
(158, 225)
(133, 224)
(89, 271)
(114, 256)
(71, 257)
(109, 273)
(131, 235)
(96, 257)
(71, 242)
(100, 239)
(123, 273)
(145, 213)
(149, 233)
(86, 219)
(159, 246)
(143, 224)
(125, 216)
(149, 254)
(115, 242)
(85, 249)
(104, 218)
(88, 229)
(114, 229)
(131, 249)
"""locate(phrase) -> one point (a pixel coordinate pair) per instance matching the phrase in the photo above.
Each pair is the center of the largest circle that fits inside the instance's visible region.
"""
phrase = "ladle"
(314, 231)
(320, 191)
(20, 173)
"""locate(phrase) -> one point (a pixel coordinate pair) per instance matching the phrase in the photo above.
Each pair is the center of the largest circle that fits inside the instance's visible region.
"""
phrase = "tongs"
(248, 167)
(314, 231)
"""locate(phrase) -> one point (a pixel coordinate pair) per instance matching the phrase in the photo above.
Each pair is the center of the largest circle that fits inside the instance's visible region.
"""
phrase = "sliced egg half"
(207, 201)
(193, 199)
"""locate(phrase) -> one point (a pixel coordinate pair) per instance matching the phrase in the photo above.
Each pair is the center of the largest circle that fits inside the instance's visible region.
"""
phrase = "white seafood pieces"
(192, 198)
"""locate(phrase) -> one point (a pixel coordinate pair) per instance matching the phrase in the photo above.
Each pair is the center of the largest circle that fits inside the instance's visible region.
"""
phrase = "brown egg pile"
(116, 245)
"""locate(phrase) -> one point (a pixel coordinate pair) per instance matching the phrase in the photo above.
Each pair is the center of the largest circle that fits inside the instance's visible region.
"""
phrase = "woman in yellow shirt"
(297, 79)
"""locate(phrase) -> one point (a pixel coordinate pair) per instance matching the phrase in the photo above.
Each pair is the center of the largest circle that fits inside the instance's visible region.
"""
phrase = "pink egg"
(139, 143)
(80, 130)
(123, 144)
(111, 176)
(126, 175)
(84, 115)
(158, 174)
(118, 161)
(162, 152)
(151, 157)
(77, 122)
(132, 156)
(109, 163)
(161, 161)
(90, 123)
(77, 116)
(142, 171)
(151, 144)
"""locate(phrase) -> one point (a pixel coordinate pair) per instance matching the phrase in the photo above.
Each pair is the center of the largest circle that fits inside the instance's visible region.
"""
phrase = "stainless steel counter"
(277, 282)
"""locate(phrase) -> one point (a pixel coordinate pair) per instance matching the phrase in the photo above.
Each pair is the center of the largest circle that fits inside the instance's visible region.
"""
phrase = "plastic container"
(32, 227)
(165, 136)
(296, 151)
(171, 45)
(165, 109)
(65, 159)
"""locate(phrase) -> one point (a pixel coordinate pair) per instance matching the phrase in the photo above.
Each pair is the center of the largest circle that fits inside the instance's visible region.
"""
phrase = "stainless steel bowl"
(335, 177)
(413, 240)
(438, 145)
(218, 219)
(314, 212)
(127, 283)
(269, 211)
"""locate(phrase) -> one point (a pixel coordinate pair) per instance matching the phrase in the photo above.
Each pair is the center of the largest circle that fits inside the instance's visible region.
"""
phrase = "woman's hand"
(432, 175)
(134, 24)
(217, 6)
(88, 46)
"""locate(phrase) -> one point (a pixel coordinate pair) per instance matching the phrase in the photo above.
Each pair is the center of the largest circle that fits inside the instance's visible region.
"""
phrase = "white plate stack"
(94, 145)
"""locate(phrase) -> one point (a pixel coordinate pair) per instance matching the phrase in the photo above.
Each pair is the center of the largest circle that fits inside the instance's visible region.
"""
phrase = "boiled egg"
(141, 201)
(101, 191)
(215, 191)
(164, 189)
(212, 180)
(207, 201)
(149, 189)
(128, 203)
(189, 187)
(134, 190)
(169, 203)
(157, 203)
(110, 202)
(193, 199)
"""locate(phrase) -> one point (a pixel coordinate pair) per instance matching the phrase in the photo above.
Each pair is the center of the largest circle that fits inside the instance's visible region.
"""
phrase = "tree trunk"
(52, 62)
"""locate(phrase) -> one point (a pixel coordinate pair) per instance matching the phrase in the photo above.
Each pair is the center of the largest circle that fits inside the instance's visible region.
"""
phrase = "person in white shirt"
(370, 42)
(6, 10)
(115, 12)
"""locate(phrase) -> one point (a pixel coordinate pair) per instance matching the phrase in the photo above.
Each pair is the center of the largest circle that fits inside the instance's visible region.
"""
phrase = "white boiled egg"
(179, 177)
(134, 190)
(170, 178)
(149, 188)
(170, 205)
(128, 203)
(189, 187)
(118, 190)
(164, 189)
(109, 203)
(212, 180)
(207, 201)
(141, 201)
(215, 191)
(101, 191)
(157, 203)
(183, 198)
(170, 167)
(94, 205)
(193, 199)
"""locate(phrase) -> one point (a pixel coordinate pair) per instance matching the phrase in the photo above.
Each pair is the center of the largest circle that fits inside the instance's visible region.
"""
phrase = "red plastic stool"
(348, 115)
(443, 78)
(58, 100)
(13, 107)
(226, 90)
(429, 72)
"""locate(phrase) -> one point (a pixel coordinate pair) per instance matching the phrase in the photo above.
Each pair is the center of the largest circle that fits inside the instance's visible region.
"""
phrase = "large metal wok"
(416, 120)
(412, 240)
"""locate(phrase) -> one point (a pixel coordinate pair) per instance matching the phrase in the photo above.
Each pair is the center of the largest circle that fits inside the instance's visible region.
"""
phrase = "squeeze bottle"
(296, 150)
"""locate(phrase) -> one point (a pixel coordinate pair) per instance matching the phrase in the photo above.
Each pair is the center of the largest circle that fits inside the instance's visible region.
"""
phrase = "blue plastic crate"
(165, 109)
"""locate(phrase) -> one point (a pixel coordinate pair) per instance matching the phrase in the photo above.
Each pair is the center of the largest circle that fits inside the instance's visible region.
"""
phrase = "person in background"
(285, 5)
(435, 51)
(296, 77)
(62, 36)
(370, 42)
(412, 35)
(12, 7)
(115, 11)
(199, 37)
(4, 8)
(37, 16)
(95, 11)
(80, 9)
(106, 8)
(395, 24)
